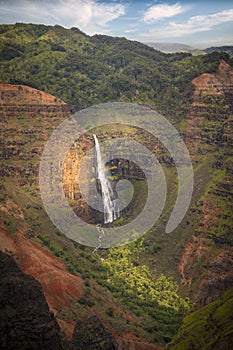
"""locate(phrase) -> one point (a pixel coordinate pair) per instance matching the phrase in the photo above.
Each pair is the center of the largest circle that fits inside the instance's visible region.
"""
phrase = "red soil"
(10, 95)
(59, 286)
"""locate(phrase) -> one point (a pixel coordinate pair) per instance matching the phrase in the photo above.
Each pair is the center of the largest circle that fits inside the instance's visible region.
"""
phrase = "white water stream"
(110, 213)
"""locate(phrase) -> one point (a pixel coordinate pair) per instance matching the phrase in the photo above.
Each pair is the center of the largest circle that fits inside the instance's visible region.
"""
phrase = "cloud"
(88, 15)
(195, 24)
(158, 12)
(129, 31)
(201, 23)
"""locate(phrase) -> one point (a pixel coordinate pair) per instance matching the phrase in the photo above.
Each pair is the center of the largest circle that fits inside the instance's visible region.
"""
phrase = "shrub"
(110, 311)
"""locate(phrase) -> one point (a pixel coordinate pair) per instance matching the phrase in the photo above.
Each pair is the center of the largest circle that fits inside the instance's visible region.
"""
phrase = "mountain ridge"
(179, 47)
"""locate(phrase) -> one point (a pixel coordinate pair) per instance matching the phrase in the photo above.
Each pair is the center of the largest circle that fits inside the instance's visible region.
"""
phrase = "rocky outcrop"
(207, 273)
(27, 118)
(25, 320)
(118, 169)
(209, 121)
(59, 286)
(20, 95)
(206, 263)
(217, 277)
(92, 334)
(129, 343)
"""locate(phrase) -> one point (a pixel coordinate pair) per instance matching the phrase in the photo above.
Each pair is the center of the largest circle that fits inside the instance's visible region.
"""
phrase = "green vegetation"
(208, 328)
(126, 276)
(155, 301)
(136, 287)
(10, 226)
(153, 307)
(46, 242)
(85, 70)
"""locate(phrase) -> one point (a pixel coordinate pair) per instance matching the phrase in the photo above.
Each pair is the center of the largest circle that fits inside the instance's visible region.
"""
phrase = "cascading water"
(110, 213)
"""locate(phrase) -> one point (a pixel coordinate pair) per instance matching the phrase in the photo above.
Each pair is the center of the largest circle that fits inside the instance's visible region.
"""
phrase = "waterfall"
(110, 213)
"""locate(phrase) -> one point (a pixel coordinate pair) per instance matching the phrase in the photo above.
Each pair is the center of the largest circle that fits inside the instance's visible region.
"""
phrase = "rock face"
(214, 276)
(27, 118)
(25, 321)
(59, 286)
(206, 264)
(209, 121)
(12, 95)
(119, 169)
(91, 334)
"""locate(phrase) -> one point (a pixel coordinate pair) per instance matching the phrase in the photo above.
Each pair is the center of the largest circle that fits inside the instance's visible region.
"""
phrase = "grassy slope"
(208, 328)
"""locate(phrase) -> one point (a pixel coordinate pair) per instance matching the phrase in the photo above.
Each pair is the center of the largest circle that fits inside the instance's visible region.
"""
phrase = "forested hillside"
(85, 70)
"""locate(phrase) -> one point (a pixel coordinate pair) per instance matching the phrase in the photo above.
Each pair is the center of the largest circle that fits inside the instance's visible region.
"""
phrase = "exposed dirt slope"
(21, 94)
(59, 286)
(211, 107)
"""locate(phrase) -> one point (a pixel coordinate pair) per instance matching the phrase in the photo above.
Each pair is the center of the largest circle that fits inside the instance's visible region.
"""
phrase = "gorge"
(162, 291)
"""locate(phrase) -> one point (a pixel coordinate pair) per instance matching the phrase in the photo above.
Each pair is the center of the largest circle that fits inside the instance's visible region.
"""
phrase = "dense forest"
(85, 70)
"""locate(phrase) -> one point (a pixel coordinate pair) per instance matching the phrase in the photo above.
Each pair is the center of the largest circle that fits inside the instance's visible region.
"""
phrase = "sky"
(197, 23)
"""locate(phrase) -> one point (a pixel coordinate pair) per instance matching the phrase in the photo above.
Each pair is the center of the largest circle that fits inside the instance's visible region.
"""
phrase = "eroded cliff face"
(209, 121)
(59, 286)
(119, 169)
(207, 260)
(28, 118)
(94, 334)
(20, 95)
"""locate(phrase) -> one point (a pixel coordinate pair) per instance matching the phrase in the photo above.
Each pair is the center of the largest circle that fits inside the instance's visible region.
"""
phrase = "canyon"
(62, 293)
